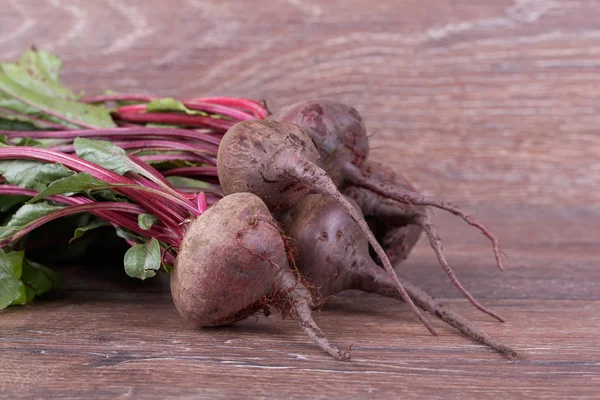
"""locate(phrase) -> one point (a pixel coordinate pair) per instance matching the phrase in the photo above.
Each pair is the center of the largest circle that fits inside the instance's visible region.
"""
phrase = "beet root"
(334, 256)
(400, 215)
(391, 221)
(357, 177)
(233, 263)
(337, 130)
(276, 161)
(340, 136)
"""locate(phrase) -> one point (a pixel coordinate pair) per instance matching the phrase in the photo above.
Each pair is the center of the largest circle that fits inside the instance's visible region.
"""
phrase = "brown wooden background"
(491, 103)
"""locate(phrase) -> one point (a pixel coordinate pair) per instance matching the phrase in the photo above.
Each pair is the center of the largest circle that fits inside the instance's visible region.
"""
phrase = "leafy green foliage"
(128, 235)
(146, 221)
(39, 278)
(162, 165)
(79, 182)
(7, 124)
(25, 215)
(31, 88)
(7, 201)
(32, 174)
(168, 104)
(79, 232)
(11, 288)
(143, 260)
(181, 181)
(109, 156)
(39, 71)
(21, 280)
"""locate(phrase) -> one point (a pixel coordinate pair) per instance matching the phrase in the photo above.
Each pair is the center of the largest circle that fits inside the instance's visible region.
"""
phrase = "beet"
(233, 263)
(393, 221)
(334, 256)
(340, 137)
(337, 130)
(390, 220)
(277, 162)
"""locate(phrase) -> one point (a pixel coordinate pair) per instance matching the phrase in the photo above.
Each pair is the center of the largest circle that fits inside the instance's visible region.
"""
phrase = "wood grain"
(492, 104)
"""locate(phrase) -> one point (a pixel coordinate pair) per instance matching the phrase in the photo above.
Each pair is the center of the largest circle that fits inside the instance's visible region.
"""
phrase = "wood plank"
(492, 104)
(74, 348)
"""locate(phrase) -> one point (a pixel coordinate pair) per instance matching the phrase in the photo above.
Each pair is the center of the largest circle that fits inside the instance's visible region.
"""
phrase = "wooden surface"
(491, 103)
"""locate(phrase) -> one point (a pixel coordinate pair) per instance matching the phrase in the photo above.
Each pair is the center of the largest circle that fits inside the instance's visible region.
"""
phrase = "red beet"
(337, 130)
(276, 161)
(334, 256)
(340, 136)
(394, 221)
(390, 220)
(233, 262)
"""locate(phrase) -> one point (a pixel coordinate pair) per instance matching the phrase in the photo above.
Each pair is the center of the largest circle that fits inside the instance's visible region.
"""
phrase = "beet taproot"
(391, 221)
(333, 256)
(233, 263)
(340, 136)
(277, 162)
(394, 222)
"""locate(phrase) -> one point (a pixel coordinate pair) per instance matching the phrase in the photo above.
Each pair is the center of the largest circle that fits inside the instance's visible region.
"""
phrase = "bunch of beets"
(247, 210)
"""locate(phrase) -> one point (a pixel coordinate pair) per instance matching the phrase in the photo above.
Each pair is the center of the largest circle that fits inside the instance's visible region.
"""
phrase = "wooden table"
(493, 104)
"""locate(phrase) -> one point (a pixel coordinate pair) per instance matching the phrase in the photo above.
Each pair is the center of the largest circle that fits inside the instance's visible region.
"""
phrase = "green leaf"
(23, 113)
(79, 182)
(181, 181)
(169, 104)
(108, 195)
(29, 294)
(170, 164)
(31, 87)
(143, 260)
(7, 124)
(16, 260)
(39, 71)
(32, 174)
(39, 277)
(145, 221)
(22, 299)
(129, 235)
(8, 201)
(10, 286)
(25, 215)
(79, 232)
(27, 141)
(155, 125)
(107, 155)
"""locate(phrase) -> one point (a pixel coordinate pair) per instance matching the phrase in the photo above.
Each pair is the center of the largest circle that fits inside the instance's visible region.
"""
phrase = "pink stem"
(174, 119)
(257, 109)
(191, 171)
(173, 157)
(254, 107)
(48, 124)
(154, 172)
(176, 198)
(131, 108)
(201, 202)
(201, 135)
(70, 210)
(156, 205)
(167, 144)
(218, 109)
(117, 218)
